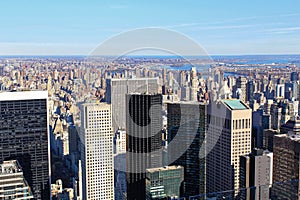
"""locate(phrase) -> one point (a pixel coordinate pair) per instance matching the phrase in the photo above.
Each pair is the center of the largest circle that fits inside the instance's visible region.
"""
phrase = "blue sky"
(76, 27)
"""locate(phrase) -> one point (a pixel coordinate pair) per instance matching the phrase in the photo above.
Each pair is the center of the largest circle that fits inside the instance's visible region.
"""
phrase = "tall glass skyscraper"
(187, 123)
(144, 140)
(24, 137)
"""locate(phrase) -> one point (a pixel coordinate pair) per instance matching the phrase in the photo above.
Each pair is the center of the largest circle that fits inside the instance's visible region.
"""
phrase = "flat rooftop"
(24, 95)
(235, 104)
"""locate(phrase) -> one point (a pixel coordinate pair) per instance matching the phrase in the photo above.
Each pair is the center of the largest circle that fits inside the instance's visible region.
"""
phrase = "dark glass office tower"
(24, 137)
(187, 123)
(144, 140)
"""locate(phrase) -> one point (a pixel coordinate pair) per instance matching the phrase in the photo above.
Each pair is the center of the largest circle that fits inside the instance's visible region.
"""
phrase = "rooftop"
(259, 152)
(290, 135)
(25, 95)
(235, 104)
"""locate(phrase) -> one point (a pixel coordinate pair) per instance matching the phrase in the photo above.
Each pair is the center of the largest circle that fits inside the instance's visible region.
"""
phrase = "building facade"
(187, 124)
(24, 134)
(164, 182)
(97, 151)
(229, 137)
(286, 150)
(144, 140)
(256, 173)
(116, 89)
(241, 84)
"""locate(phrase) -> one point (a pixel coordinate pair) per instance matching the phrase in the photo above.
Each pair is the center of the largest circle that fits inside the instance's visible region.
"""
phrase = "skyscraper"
(291, 91)
(275, 113)
(294, 76)
(260, 122)
(256, 172)
(97, 151)
(229, 136)
(24, 137)
(286, 150)
(280, 90)
(144, 140)
(241, 83)
(250, 89)
(187, 122)
(194, 84)
(116, 89)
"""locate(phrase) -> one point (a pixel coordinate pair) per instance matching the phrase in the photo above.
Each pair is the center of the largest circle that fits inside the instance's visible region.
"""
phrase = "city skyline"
(133, 100)
(73, 28)
(84, 156)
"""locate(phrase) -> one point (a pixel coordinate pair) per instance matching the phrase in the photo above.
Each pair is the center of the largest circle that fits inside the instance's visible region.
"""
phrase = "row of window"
(241, 124)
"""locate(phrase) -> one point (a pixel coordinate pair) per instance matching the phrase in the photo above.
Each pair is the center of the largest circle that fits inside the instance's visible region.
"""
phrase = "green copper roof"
(235, 104)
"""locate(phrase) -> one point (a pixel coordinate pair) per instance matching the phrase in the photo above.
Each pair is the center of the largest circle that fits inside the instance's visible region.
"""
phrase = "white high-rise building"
(97, 151)
(229, 137)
